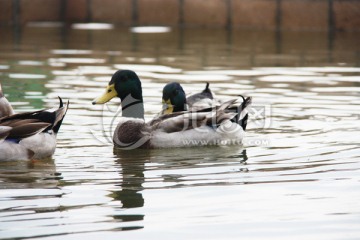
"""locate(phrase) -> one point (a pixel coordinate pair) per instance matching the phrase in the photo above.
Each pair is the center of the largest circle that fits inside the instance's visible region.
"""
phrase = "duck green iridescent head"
(174, 98)
(122, 83)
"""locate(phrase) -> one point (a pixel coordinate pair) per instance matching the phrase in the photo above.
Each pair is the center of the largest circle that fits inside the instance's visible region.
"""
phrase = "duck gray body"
(201, 100)
(208, 126)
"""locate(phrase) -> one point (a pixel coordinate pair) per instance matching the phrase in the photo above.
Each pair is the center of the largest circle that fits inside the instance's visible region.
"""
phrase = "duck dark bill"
(109, 94)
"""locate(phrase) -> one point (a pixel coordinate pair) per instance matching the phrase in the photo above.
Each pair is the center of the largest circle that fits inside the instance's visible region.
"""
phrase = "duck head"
(174, 98)
(126, 85)
(122, 84)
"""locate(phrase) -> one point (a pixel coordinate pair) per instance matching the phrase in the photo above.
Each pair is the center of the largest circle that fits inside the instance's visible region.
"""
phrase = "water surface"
(296, 176)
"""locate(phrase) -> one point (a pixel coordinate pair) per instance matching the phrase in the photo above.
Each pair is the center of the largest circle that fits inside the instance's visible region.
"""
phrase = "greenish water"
(296, 177)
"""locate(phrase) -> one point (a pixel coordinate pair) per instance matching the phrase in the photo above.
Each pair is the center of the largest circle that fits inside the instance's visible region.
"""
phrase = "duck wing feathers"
(182, 121)
(37, 119)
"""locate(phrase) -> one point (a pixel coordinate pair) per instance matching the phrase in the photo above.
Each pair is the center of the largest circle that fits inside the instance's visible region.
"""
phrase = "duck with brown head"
(29, 135)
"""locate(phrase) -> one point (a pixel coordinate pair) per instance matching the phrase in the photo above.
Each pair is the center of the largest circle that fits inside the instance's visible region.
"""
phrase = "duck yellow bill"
(109, 94)
(167, 107)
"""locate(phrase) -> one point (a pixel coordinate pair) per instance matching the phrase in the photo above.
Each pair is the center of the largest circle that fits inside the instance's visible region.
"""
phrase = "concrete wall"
(254, 14)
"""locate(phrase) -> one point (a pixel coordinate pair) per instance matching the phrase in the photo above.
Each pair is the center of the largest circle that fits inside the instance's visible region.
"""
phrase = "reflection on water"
(19, 174)
(296, 176)
(131, 170)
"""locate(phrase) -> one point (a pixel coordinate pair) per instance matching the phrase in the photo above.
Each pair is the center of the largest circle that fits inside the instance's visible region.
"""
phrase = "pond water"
(296, 176)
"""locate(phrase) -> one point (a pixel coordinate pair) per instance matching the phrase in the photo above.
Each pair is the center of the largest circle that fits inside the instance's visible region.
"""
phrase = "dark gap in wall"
(135, 16)
(331, 17)
(278, 24)
(89, 11)
(181, 13)
(229, 14)
(278, 15)
(331, 28)
(16, 12)
(62, 12)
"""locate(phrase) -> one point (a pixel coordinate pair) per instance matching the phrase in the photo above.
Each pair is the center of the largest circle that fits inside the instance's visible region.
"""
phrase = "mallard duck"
(175, 100)
(211, 126)
(30, 135)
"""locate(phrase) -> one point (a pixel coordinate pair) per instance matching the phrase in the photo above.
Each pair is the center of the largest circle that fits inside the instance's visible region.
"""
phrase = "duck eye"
(109, 90)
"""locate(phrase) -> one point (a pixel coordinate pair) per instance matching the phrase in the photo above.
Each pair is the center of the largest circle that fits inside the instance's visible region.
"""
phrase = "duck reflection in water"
(21, 174)
(132, 167)
(133, 164)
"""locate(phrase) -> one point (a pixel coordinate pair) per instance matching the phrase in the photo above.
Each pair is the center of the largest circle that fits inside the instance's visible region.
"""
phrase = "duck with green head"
(178, 129)
(174, 100)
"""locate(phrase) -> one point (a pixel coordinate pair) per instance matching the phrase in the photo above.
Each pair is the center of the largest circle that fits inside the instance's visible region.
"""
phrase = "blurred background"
(339, 15)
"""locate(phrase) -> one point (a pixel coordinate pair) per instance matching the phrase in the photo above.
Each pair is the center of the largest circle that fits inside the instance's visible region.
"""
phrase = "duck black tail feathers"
(207, 92)
(241, 118)
(59, 115)
(242, 114)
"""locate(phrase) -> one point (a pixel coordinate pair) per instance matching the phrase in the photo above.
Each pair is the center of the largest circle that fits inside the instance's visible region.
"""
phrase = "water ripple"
(296, 174)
